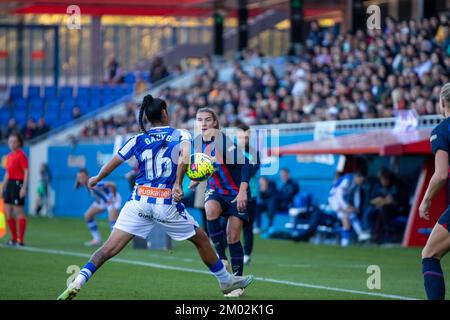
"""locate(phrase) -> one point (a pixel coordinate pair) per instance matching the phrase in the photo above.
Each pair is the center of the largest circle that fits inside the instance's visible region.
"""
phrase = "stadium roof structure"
(380, 142)
(193, 8)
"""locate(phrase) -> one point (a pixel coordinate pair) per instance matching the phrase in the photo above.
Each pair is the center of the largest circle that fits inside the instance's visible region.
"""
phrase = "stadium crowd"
(337, 77)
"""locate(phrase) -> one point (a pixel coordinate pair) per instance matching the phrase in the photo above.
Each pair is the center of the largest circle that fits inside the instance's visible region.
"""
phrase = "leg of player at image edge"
(227, 282)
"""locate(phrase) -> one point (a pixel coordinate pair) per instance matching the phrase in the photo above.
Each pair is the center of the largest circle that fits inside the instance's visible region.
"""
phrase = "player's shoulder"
(21, 153)
(138, 138)
(181, 134)
(441, 130)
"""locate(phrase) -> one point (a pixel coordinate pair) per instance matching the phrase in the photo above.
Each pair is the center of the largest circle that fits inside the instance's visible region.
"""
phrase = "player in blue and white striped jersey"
(105, 198)
(155, 198)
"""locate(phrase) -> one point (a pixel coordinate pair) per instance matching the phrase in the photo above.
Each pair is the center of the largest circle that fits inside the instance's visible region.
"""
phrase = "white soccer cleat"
(246, 259)
(235, 293)
(237, 282)
(93, 243)
(345, 242)
(363, 236)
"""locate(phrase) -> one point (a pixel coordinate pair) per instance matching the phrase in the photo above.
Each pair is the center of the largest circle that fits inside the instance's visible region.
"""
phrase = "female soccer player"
(438, 243)
(228, 189)
(106, 198)
(155, 198)
(15, 184)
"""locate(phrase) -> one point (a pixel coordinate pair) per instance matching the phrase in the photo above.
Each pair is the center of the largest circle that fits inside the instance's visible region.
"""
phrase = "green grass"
(41, 275)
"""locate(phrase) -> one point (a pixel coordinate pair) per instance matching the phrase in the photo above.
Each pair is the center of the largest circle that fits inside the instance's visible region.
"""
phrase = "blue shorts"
(444, 220)
(228, 208)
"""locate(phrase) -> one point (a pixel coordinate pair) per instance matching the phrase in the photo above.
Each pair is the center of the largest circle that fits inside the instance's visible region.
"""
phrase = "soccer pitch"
(283, 269)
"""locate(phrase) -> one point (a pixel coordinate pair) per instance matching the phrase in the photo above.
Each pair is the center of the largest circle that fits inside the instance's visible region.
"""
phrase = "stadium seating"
(50, 92)
(5, 114)
(16, 92)
(56, 104)
(34, 92)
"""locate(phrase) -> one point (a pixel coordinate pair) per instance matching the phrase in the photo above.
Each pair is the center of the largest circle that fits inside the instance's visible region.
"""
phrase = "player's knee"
(212, 215)
(233, 237)
(430, 252)
(200, 237)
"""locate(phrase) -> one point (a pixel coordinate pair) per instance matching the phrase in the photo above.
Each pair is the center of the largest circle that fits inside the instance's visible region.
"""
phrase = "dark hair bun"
(148, 99)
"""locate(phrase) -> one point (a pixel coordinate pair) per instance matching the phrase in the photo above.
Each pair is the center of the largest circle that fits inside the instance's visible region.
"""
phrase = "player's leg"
(271, 209)
(89, 218)
(117, 240)
(10, 197)
(213, 210)
(113, 210)
(346, 228)
(12, 225)
(356, 225)
(113, 213)
(227, 281)
(234, 229)
(248, 231)
(22, 221)
(437, 246)
(180, 225)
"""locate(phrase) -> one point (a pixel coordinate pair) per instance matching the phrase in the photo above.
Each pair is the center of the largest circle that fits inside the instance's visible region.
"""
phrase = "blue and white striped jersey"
(157, 154)
(101, 193)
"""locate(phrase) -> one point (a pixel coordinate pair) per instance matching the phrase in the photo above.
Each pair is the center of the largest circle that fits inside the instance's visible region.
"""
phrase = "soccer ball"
(201, 167)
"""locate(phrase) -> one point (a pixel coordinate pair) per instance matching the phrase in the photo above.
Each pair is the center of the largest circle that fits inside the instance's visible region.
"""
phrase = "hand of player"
(241, 200)
(424, 209)
(23, 192)
(193, 185)
(177, 192)
(93, 182)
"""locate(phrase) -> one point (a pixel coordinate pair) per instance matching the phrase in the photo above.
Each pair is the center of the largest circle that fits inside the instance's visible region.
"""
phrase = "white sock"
(356, 225)
(220, 272)
(223, 276)
(93, 228)
(80, 280)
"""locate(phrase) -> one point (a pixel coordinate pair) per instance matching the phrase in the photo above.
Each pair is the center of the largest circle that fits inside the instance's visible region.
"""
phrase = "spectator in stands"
(140, 86)
(42, 127)
(76, 112)
(368, 74)
(158, 70)
(113, 73)
(12, 127)
(287, 191)
(266, 202)
(29, 131)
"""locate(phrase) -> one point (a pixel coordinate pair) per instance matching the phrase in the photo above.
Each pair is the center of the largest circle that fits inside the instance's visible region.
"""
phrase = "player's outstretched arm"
(437, 181)
(105, 171)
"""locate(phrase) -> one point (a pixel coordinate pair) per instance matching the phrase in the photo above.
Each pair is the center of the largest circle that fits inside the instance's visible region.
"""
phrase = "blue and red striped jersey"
(232, 167)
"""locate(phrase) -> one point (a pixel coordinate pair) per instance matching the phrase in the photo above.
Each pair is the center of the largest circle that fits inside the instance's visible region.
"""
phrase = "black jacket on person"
(286, 194)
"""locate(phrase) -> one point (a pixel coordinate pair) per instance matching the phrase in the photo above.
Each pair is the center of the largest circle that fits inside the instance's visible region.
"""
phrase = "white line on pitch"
(166, 267)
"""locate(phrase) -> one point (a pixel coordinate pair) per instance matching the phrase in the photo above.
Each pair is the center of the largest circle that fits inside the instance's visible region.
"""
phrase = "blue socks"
(217, 236)
(237, 258)
(345, 237)
(86, 273)
(93, 228)
(433, 279)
